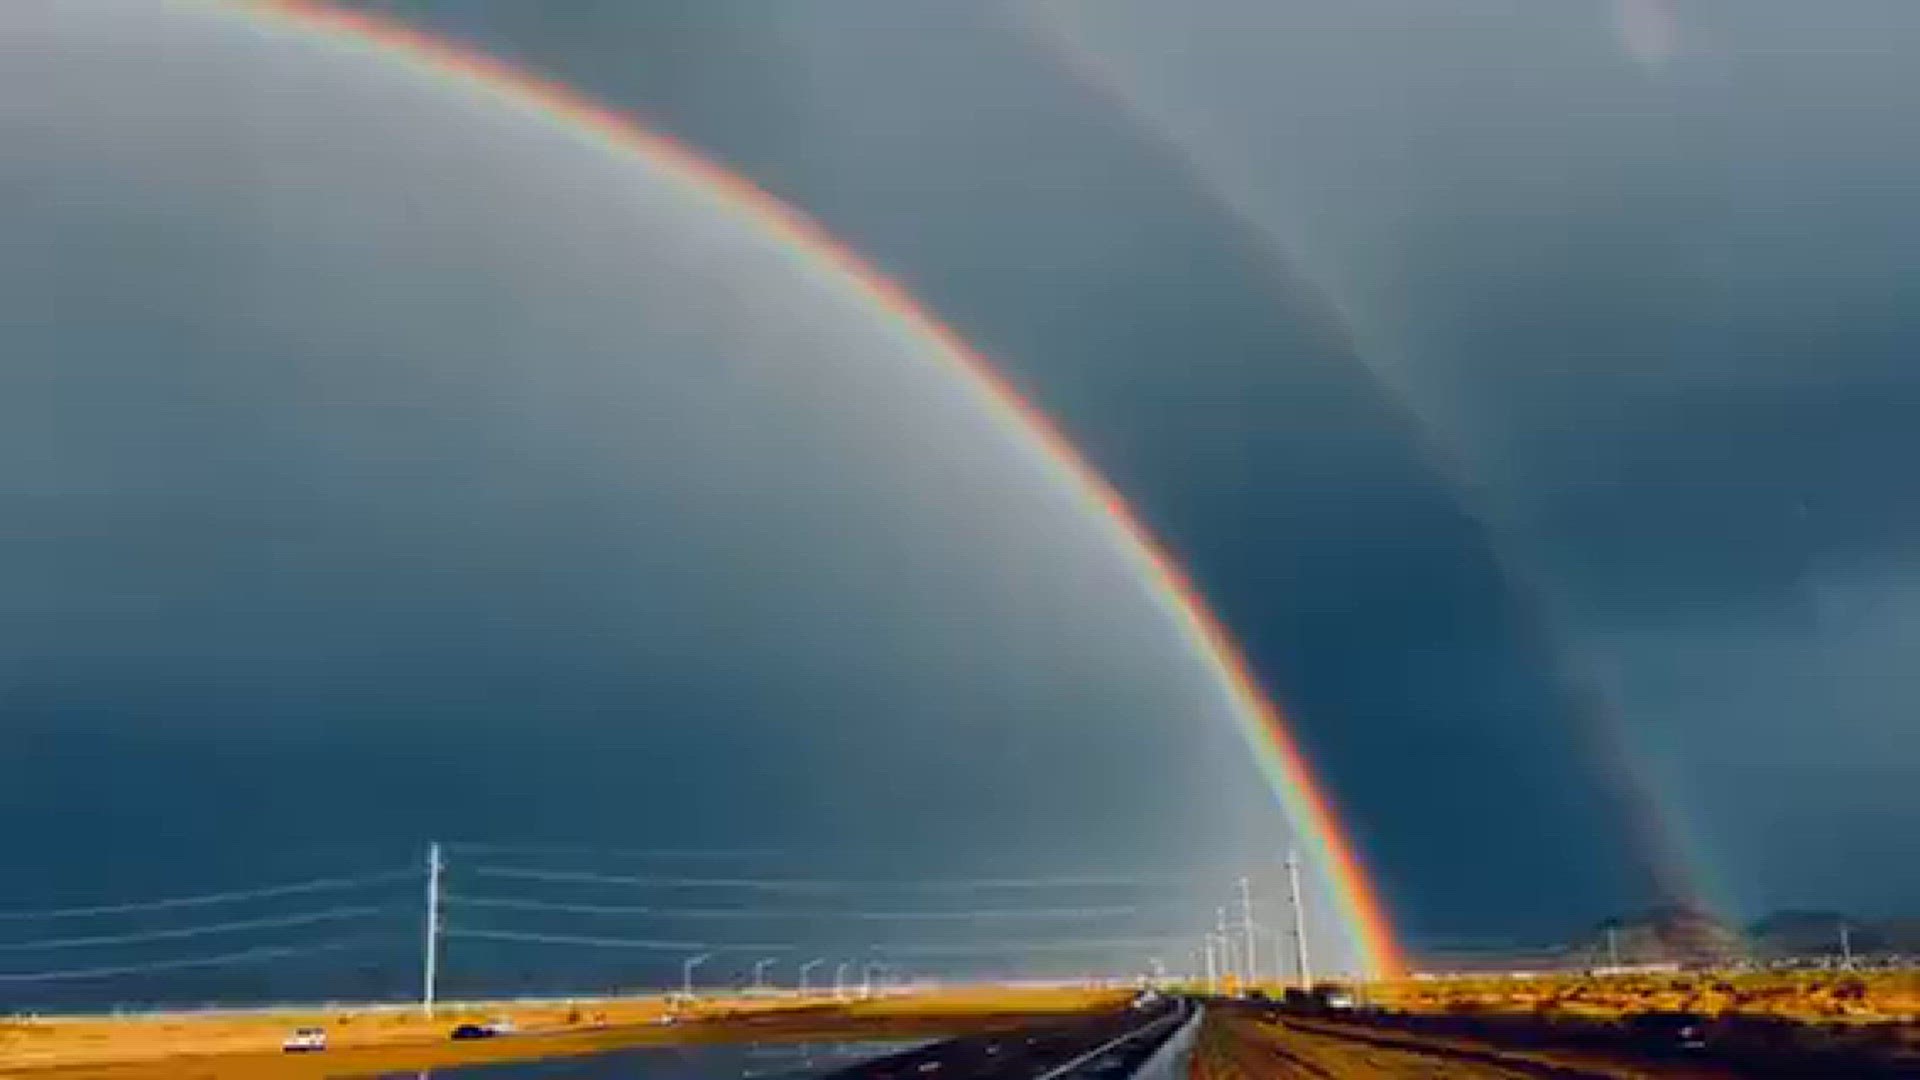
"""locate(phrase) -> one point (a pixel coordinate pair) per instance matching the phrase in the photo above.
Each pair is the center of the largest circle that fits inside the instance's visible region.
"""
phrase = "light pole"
(1213, 968)
(806, 967)
(840, 980)
(1226, 945)
(1299, 921)
(760, 973)
(686, 973)
(866, 986)
(1246, 914)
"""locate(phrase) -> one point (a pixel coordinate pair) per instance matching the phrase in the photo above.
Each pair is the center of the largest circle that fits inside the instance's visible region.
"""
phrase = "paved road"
(1105, 1047)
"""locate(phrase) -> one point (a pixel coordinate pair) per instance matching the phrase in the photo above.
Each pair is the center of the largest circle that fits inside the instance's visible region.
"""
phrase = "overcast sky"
(1527, 389)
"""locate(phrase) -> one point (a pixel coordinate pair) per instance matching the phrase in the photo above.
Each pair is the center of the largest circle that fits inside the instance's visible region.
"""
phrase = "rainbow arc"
(1260, 720)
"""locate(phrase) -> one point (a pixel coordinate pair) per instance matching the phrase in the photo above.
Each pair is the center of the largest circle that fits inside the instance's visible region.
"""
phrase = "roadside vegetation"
(1811, 996)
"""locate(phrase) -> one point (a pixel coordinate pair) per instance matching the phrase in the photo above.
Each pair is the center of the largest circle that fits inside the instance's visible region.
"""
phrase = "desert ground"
(1246, 1047)
(1821, 1023)
(1807, 996)
(371, 1041)
(1467, 1027)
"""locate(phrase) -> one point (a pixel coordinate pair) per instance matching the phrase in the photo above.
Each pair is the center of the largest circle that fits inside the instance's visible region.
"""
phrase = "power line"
(469, 847)
(609, 943)
(509, 904)
(1050, 945)
(995, 913)
(815, 885)
(207, 899)
(178, 933)
(1155, 879)
(221, 960)
(515, 904)
(577, 877)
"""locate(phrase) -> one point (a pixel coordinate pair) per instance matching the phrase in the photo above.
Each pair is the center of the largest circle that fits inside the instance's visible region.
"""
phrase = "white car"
(305, 1040)
(500, 1025)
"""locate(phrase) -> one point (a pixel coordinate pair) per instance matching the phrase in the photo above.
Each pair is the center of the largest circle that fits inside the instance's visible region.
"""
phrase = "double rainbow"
(1259, 719)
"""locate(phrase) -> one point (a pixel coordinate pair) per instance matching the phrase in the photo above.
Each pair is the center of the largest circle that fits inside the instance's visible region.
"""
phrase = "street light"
(686, 973)
(866, 988)
(840, 980)
(1226, 949)
(806, 967)
(760, 973)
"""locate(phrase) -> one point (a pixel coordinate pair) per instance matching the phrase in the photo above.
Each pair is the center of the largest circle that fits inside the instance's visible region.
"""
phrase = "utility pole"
(1299, 921)
(1613, 949)
(1226, 944)
(1213, 970)
(760, 973)
(806, 967)
(1246, 916)
(1846, 945)
(686, 973)
(431, 952)
(866, 985)
(840, 981)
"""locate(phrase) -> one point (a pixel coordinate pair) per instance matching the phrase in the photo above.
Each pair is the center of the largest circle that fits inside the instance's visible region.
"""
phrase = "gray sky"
(1526, 388)
(1642, 270)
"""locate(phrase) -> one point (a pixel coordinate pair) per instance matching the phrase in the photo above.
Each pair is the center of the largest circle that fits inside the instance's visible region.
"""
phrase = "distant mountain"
(1809, 933)
(1665, 934)
(1687, 936)
(1817, 933)
(1691, 936)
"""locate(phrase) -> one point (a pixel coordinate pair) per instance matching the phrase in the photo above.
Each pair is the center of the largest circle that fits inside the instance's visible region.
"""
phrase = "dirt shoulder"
(371, 1042)
(1244, 1047)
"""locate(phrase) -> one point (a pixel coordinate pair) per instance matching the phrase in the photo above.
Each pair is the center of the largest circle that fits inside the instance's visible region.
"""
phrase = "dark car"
(474, 1031)
(1668, 1030)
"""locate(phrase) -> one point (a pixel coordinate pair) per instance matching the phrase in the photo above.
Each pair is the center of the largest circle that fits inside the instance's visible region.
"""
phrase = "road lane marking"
(1053, 1074)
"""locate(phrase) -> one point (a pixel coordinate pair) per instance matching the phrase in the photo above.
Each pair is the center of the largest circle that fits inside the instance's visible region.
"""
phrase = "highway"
(1235, 1042)
(1111, 1046)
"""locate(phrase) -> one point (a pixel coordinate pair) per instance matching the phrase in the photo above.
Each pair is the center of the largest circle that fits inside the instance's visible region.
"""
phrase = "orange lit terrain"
(1813, 996)
(186, 1046)
(1240, 1047)
(1825, 1023)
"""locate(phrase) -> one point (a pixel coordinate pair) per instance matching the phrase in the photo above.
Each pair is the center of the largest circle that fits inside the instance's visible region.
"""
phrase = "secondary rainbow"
(1260, 720)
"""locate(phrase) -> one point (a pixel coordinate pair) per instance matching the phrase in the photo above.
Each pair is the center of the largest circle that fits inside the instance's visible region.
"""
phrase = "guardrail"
(1171, 1060)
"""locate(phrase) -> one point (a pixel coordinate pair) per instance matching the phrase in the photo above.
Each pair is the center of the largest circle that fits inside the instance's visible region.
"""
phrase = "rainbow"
(1261, 723)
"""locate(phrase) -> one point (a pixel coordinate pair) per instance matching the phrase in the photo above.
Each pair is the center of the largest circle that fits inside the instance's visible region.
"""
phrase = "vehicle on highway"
(1336, 998)
(1322, 1000)
(305, 1040)
(474, 1031)
(502, 1025)
(1670, 1030)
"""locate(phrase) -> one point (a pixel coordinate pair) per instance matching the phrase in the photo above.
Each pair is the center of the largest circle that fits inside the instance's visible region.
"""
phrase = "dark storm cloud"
(1199, 371)
(377, 468)
(1654, 287)
(1575, 261)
